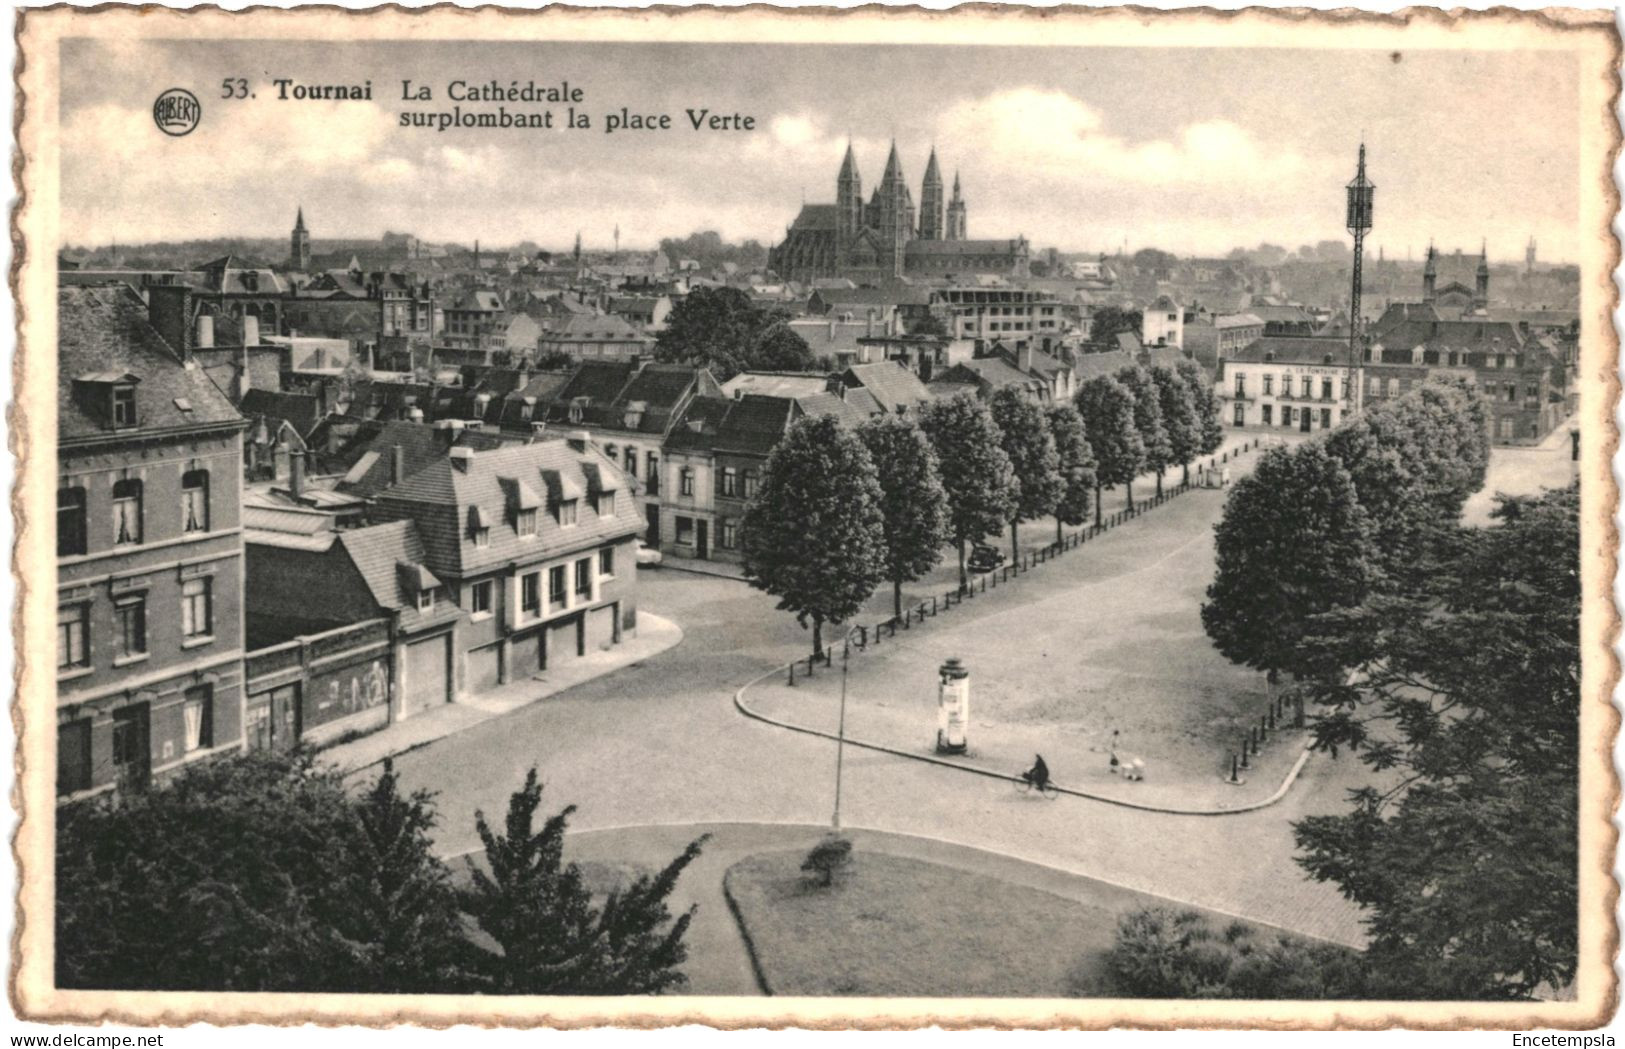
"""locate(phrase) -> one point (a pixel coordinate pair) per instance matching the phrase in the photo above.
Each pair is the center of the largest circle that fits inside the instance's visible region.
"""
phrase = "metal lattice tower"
(1361, 193)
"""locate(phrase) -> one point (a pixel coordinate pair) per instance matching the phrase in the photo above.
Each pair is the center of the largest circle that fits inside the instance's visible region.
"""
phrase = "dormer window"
(568, 508)
(479, 529)
(525, 523)
(123, 406)
(425, 600)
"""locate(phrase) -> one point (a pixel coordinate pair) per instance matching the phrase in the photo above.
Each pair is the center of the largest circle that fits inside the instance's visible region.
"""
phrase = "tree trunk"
(1186, 480)
(897, 598)
(1060, 539)
(1097, 504)
(1129, 488)
(818, 635)
(1015, 551)
(1159, 482)
(962, 576)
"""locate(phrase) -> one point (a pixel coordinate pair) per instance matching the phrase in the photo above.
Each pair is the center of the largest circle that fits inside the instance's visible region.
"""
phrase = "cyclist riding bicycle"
(1038, 775)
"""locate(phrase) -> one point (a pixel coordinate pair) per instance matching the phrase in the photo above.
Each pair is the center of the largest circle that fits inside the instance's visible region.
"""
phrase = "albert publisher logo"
(176, 112)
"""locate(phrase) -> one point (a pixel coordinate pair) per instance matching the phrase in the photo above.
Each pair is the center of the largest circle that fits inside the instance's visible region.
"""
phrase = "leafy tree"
(255, 872)
(1148, 420)
(1077, 462)
(927, 324)
(554, 361)
(913, 505)
(717, 328)
(1109, 321)
(1163, 953)
(815, 535)
(829, 859)
(555, 938)
(1107, 408)
(975, 471)
(1465, 702)
(1277, 569)
(781, 349)
(1179, 419)
(1033, 460)
(1153, 259)
(1207, 405)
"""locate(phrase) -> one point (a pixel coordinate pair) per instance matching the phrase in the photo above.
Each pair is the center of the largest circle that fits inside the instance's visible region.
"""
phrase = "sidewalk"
(655, 634)
(720, 569)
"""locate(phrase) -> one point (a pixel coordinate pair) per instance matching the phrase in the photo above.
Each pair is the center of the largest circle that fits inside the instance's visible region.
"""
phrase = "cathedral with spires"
(887, 237)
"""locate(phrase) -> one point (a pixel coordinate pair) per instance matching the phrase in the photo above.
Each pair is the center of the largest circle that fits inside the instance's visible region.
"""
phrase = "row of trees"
(723, 330)
(262, 872)
(838, 513)
(1447, 659)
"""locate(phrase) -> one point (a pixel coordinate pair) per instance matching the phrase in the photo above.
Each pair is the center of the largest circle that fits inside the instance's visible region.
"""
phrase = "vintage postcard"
(881, 518)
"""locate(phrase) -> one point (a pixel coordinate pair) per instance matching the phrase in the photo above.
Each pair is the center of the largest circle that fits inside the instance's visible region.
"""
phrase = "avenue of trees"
(839, 513)
(263, 872)
(723, 330)
(1445, 658)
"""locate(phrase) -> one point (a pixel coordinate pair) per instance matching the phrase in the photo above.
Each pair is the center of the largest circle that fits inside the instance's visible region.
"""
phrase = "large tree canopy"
(721, 329)
(913, 505)
(976, 473)
(1031, 449)
(1293, 543)
(814, 536)
(1465, 700)
(1077, 462)
(1180, 418)
(1107, 408)
(1148, 421)
(1207, 405)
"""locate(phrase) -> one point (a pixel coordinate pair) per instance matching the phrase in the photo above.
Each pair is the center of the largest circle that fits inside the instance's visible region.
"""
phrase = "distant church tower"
(1430, 275)
(956, 214)
(896, 213)
(931, 202)
(1529, 258)
(301, 243)
(1482, 298)
(848, 201)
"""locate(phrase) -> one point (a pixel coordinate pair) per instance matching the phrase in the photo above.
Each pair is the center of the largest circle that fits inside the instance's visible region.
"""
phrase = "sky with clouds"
(1193, 150)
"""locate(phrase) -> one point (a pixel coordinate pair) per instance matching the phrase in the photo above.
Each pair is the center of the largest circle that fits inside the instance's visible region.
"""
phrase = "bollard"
(1255, 742)
(792, 674)
(810, 661)
(1271, 717)
(933, 605)
(829, 657)
(1244, 762)
(1263, 730)
(1235, 769)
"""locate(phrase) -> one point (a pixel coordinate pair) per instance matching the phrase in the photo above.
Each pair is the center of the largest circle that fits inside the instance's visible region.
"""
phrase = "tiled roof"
(603, 327)
(104, 329)
(1292, 350)
(816, 217)
(420, 444)
(300, 410)
(438, 498)
(776, 384)
(891, 384)
(1456, 335)
(851, 411)
(964, 247)
(701, 420)
(379, 553)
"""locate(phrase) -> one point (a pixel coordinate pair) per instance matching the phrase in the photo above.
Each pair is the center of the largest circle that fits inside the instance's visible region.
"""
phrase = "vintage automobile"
(984, 558)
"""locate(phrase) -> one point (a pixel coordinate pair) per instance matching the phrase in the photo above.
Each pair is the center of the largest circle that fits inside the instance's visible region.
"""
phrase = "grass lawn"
(899, 927)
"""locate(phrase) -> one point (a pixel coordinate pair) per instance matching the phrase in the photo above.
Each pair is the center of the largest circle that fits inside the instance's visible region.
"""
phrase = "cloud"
(1052, 133)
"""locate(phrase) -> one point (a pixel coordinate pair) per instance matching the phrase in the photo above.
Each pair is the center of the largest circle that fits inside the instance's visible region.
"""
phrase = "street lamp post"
(840, 731)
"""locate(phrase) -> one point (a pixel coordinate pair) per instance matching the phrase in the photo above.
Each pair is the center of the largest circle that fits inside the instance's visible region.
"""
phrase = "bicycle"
(1025, 784)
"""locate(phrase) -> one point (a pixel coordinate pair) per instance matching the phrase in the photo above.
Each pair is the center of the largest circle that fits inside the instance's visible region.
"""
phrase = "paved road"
(660, 742)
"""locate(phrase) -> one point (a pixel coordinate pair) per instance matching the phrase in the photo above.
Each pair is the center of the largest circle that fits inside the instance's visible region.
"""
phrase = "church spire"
(894, 167)
(299, 223)
(931, 202)
(956, 213)
(849, 166)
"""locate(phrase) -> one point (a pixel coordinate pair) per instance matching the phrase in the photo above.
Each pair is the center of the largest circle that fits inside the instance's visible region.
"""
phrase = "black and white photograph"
(827, 519)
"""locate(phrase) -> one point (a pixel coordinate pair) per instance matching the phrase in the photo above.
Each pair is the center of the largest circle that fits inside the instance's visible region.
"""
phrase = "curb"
(1280, 792)
(744, 935)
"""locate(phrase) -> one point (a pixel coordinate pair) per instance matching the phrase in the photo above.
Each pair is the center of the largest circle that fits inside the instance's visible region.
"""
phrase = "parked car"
(647, 555)
(984, 558)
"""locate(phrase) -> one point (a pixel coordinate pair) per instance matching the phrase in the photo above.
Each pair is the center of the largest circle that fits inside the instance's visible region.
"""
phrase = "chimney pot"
(461, 456)
(296, 474)
(397, 464)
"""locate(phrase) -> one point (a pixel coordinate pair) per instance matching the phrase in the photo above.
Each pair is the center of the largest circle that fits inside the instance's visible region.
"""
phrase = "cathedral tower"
(1482, 296)
(300, 254)
(931, 202)
(848, 201)
(1430, 275)
(956, 214)
(896, 213)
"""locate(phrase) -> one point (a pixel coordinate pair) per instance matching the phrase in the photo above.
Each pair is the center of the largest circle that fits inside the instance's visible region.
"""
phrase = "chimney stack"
(251, 330)
(397, 464)
(1024, 357)
(205, 332)
(461, 457)
(296, 474)
(577, 439)
(169, 311)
